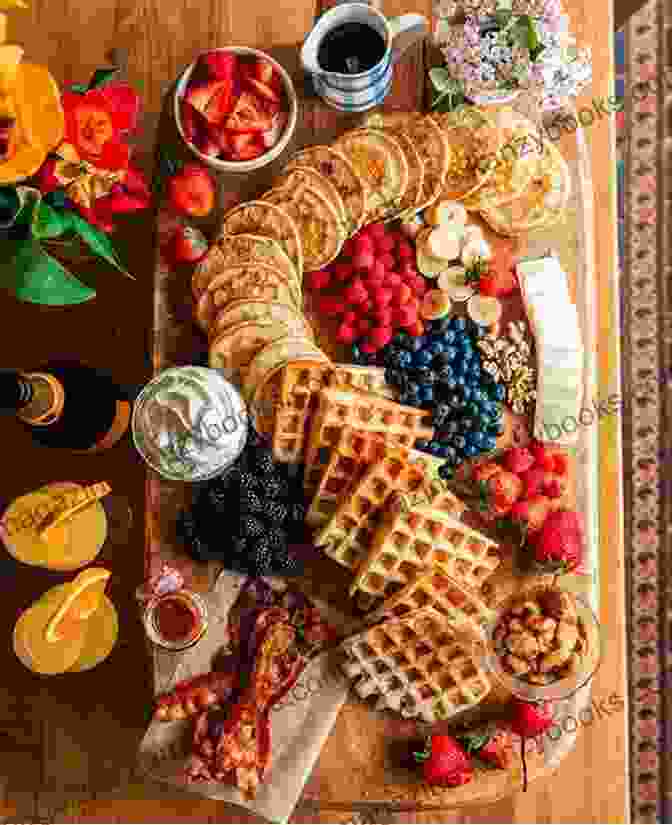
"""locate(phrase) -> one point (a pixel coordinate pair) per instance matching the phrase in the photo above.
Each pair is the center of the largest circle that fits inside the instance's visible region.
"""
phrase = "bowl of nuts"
(544, 644)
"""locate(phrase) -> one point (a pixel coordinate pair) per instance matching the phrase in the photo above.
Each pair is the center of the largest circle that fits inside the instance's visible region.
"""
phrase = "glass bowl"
(564, 686)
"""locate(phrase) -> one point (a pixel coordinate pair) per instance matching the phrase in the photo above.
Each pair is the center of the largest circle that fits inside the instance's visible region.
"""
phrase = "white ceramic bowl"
(242, 165)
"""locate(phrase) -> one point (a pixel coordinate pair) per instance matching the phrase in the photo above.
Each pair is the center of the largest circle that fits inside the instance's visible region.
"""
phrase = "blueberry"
(422, 444)
(446, 373)
(468, 423)
(455, 401)
(498, 392)
(426, 394)
(489, 443)
(467, 393)
(402, 339)
(450, 353)
(449, 384)
(458, 324)
(467, 355)
(434, 447)
(475, 370)
(461, 368)
(423, 358)
(459, 442)
(452, 427)
(478, 438)
(460, 380)
(424, 376)
(436, 348)
(478, 395)
(412, 388)
(470, 451)
(442, 325)
(418, 343)
(441, 413)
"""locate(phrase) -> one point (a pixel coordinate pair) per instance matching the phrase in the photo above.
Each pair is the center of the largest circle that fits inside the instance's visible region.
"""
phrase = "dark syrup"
(351, 48)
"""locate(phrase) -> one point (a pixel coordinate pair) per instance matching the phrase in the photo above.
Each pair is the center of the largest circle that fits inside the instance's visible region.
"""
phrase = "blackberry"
(248, 482)
(263, 462)
(287, 563)
(250, 502)
(275, 488)
(276, 538)
(275, 511)
(297, 512)
(441, 415)
(251, 527)
(261, 558)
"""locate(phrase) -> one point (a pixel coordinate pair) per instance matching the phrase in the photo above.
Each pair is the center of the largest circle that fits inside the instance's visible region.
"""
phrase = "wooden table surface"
(68, 745)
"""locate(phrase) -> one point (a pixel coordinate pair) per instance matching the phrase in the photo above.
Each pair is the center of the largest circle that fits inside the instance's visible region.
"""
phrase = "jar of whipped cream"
(189, 423)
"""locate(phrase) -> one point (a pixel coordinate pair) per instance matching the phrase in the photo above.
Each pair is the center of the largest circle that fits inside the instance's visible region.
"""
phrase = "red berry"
(518, 460)
(376, 230)
(380, 336)
(561, 463)
(407, 270)
(416, 329)
(331, 305)
(418, 285)
(319, 279)
(384, 317)
(363, 243)
(350, 317)
(393, 280)
(348, 249)
(363, 260)
(405, 251)
(378, 270)
(363, 326)
(387, 260)
(407, 315)
(342, 271)
(366, 307)
(383, 297)
(404, 294)
(530, 720)
(533, 479)
(368, 347)
(356, 293)
(543, 458)
(375, 279)
(385, 244)
(346, 334)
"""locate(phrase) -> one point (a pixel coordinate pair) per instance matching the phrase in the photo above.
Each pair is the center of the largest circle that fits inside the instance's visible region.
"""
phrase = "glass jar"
(176, 621)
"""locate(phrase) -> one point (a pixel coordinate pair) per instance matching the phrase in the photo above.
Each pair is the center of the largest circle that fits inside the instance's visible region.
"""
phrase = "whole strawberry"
(489, 744)
(530, 719)
(187, 245)
(532, 512)
(500, 492)
(558, 546)
(445, 762)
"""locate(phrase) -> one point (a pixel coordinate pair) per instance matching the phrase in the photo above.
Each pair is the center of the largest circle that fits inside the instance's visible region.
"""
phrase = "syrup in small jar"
(177, 620)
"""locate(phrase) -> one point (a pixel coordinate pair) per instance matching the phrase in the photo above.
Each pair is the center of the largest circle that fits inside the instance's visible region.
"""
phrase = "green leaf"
(473, 742)
(47, 222)
(98, 242)
(79, 89)
(32, 275)
(440, 78)
(101, 77)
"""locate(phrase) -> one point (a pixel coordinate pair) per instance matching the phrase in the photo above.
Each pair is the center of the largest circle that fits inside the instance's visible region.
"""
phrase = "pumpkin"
(34, 95)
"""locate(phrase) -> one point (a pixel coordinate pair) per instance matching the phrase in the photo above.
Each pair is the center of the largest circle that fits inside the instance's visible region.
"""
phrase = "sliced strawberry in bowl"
(220, 65)
(221, 103)
(249, 115)
(199, 95)
(272, 135)
(263, 71)
(246, 146)
(263, 90)
(193, 123)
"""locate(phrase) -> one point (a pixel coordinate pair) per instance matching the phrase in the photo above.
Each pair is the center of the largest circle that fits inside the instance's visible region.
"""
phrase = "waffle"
(430, 587)
(355, 451)
(418, 666)
(337, 409)
(348, 536)
(413, 538)
(301, 385)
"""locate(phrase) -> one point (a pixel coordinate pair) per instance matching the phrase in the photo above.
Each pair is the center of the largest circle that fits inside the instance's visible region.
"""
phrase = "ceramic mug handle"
(406, 30)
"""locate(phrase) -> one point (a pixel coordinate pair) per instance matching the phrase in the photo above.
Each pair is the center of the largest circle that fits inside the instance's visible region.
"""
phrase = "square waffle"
(412, 538)
(355, 451)
(337, 409)
(431, 587)
(302, 382)
(419, 666)
(348, 536)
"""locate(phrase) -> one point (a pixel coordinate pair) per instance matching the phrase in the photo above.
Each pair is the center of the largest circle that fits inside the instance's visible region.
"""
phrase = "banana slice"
(474, 251)
(453, 282)
(445, 212)
(484, 310)
(445, 242)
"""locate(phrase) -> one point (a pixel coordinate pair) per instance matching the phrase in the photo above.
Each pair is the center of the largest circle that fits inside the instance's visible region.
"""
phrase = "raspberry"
(342, 271)
(348, 249)
(363, 260)
(418, 285)
(319, 279)
(561, 463)
(407, 315)
(366, 307)
(387, 260)
(350, 317)
(346, 334)
(404, 294)
(363, 326)
(407, 270)
(382, 297)
(356, 293)
(518, 460)
(385, 244)
(415, 329)
(374, 279)
(331, 305)
(533, 479)
(393, 279)
(544, 459)
(380, 336)
(368, 347)
(384, 317)
(405, 250)
(376, 230)
(378, 271)
(363, 243)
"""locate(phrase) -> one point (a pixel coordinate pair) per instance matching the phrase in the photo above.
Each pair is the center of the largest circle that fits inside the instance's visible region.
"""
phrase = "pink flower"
(648, 664)
(649, 790)
(647, 728)
(646, 631)
(647, 568)
(647, 761)
(647, 71)
(647, 696)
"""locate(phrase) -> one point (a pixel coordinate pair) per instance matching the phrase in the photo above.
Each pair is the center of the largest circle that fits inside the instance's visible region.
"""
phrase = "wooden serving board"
(358, 763)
